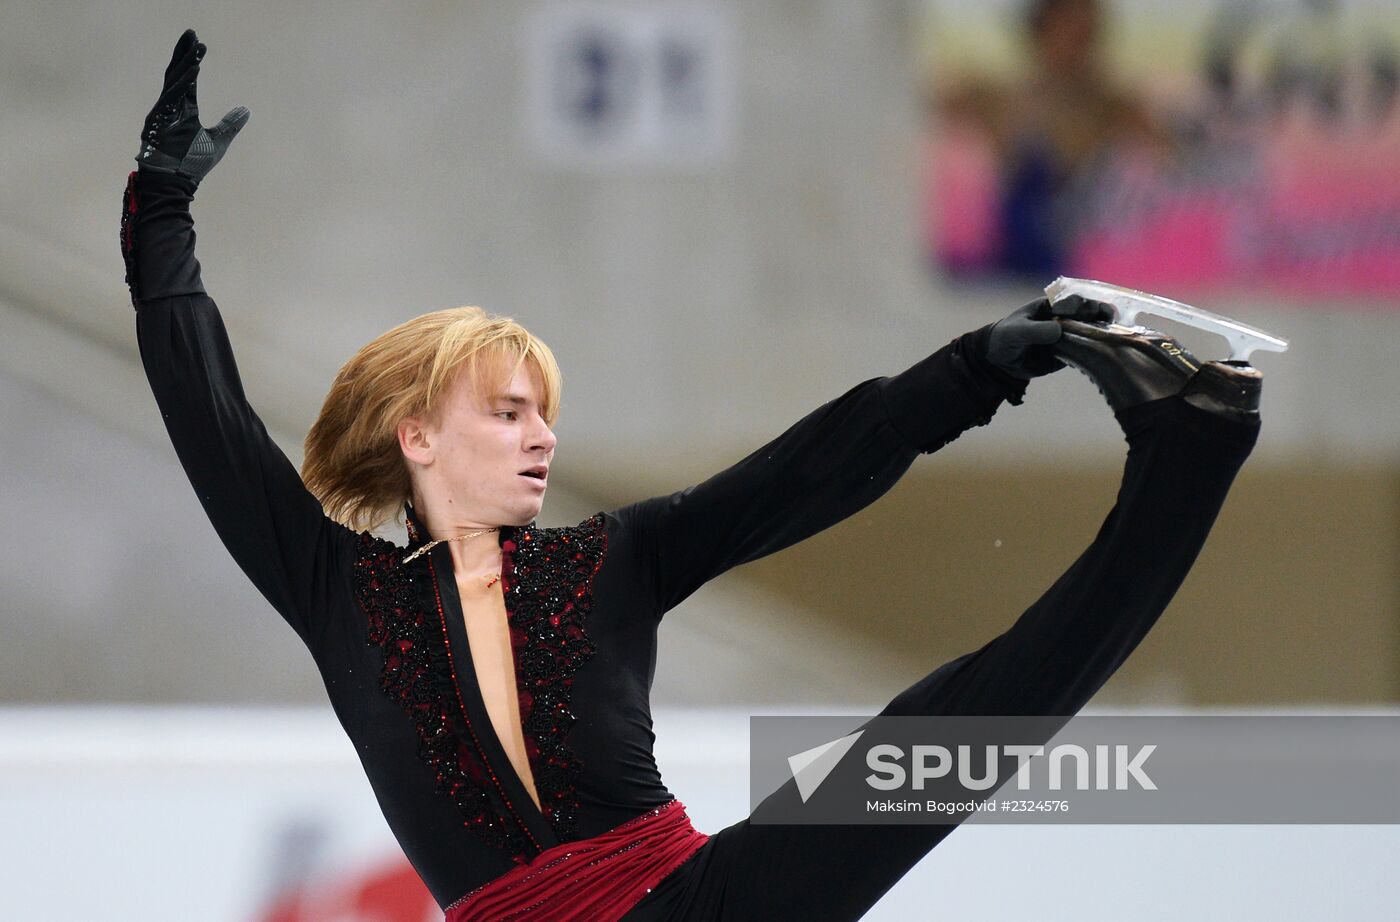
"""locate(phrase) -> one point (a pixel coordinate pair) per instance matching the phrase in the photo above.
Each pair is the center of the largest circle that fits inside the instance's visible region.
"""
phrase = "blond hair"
(353, 463)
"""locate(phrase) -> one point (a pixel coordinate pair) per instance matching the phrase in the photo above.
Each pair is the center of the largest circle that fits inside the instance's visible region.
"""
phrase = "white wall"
(154, 815)
(386, 171)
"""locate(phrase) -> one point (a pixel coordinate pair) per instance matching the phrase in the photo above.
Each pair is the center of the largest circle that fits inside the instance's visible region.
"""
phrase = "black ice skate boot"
(1132, 365)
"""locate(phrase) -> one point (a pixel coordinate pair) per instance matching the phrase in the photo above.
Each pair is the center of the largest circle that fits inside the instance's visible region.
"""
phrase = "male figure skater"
(496, 688)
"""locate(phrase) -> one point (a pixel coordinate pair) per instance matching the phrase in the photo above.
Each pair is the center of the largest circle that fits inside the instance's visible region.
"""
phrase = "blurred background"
(719, 215)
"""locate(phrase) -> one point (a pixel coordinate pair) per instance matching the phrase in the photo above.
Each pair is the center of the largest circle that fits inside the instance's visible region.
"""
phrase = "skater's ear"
(416, 437)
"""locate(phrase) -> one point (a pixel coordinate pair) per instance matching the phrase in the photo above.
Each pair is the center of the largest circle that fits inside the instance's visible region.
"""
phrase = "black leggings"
(1181, 462)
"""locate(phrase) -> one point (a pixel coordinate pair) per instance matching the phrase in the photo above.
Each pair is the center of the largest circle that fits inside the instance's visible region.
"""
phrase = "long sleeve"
(273, 526)
(829, 465)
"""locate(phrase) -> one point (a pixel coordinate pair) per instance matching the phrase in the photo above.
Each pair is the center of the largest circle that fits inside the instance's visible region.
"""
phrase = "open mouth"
(534, 473)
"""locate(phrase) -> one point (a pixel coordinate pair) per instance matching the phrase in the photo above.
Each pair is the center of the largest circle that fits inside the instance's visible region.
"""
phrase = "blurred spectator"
(1050, 132)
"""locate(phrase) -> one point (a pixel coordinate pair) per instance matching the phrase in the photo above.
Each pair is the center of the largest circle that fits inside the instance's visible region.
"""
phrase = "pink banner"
(1202, 147)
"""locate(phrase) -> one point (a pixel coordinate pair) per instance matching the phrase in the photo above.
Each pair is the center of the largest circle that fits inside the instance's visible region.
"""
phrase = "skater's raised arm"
(274, 528)
(836, 460)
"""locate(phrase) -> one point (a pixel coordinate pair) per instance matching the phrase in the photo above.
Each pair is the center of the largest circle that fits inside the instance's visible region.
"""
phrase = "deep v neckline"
(486, 630)
(547, 577)
(482, 733)
(535, 823)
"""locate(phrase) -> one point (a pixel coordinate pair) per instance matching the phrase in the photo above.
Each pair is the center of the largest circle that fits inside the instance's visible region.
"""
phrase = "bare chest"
(488, 635)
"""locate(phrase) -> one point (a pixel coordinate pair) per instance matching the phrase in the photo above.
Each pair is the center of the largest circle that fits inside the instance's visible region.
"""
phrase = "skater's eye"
(507, 413)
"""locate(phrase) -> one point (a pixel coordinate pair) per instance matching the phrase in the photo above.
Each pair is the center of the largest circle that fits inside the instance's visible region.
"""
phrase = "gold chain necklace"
(431, 544)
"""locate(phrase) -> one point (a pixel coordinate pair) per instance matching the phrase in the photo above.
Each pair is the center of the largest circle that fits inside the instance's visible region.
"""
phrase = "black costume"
(584, 604)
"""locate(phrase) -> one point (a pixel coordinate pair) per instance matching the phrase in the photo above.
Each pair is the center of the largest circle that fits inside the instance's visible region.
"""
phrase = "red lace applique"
(548, 584)
(547, 578)
(403, 622)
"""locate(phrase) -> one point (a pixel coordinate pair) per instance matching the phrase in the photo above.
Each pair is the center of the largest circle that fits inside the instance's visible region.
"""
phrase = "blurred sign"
(630, 85)
(1204, 144)
(391, 892)
(159, 814)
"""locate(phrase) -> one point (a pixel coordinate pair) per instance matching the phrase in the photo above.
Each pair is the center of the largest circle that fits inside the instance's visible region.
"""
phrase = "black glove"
(173, 141)
(1020, 343)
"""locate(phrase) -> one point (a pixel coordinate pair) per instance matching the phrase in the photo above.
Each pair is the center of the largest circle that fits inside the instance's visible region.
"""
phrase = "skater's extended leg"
(1181, 461)
(1183, 454)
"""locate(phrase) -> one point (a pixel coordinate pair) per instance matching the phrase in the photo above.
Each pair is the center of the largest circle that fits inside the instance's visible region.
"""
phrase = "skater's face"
(478, 453)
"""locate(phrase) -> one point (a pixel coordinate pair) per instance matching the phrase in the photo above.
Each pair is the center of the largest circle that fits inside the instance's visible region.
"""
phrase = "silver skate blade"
(1128, 303)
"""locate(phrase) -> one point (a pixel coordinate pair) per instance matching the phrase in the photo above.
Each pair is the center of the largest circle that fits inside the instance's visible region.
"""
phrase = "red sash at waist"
(590, 880)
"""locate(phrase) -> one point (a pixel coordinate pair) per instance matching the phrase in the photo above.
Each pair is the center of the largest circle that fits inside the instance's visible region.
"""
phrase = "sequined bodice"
(417, 622)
